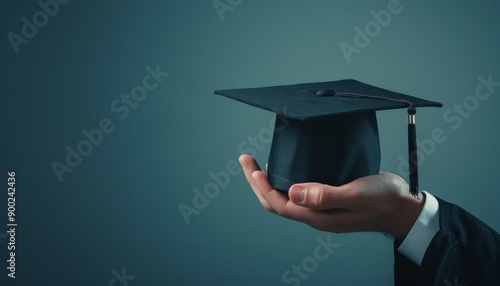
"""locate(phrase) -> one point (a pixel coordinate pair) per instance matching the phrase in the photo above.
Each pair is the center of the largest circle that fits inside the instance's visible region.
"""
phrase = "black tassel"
(412, 150)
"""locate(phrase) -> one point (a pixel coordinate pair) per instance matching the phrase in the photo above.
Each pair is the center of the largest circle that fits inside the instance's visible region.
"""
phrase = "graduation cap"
(327, 132)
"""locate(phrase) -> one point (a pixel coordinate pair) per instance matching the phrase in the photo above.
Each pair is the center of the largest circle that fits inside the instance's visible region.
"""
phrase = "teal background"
(119, 207)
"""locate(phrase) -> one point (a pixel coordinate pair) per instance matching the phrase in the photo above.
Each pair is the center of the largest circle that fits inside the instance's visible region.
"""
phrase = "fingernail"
(240, 159)
(297, 193)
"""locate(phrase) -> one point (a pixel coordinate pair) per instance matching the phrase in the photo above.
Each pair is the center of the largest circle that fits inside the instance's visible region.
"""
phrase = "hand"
(379, 203)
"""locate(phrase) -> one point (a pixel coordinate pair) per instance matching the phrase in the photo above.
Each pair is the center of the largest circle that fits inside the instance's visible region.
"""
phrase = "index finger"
(276, 199)
(249, 167)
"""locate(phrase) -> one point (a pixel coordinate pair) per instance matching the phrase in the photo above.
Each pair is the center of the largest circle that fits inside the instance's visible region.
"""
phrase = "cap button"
(325, 92)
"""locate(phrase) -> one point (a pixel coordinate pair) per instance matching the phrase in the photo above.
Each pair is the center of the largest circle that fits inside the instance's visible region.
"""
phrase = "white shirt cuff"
(421, 234)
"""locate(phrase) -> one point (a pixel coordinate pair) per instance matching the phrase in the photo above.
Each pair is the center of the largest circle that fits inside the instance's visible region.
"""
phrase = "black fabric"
(464, 252)
(332, 150)
(300, 101)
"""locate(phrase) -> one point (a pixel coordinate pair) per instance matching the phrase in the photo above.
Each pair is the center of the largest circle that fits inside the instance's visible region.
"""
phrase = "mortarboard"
(327, 132)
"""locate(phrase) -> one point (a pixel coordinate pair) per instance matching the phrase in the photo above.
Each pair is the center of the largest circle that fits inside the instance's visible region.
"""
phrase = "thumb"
(318, 196)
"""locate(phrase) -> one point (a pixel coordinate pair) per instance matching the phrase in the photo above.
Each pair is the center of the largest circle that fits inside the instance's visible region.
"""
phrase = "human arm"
(378, 203)
(462, 251)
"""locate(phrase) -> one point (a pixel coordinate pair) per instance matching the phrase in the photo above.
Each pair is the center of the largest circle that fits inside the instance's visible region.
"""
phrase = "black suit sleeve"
(465, 251)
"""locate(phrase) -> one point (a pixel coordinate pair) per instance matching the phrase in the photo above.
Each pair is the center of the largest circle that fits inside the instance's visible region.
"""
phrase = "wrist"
(405, 213)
